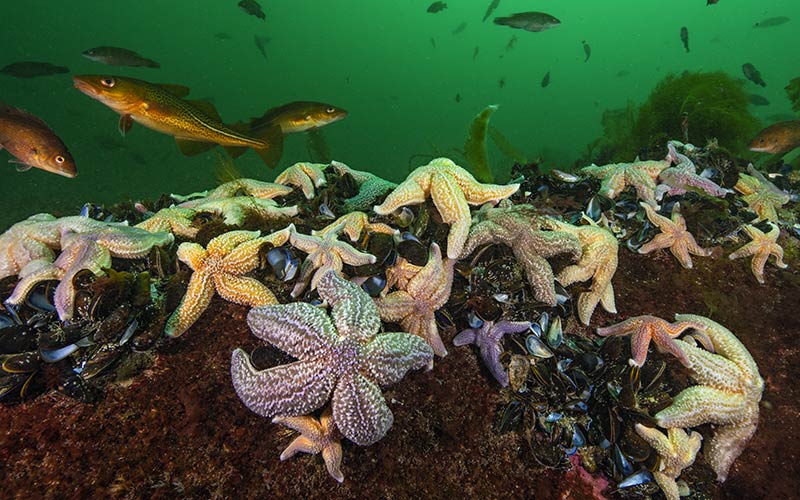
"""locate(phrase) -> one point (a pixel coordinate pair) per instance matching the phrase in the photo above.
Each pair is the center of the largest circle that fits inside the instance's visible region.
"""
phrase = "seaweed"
(225, 169)
(617, 142)
(317, 146)
(505, 146)
(793, 92)
(475, 146)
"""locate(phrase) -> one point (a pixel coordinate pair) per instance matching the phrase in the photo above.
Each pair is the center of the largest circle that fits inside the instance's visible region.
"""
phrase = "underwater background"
(395, 67)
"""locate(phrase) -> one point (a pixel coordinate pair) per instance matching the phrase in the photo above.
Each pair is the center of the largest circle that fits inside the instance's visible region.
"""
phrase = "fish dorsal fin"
(9, 110)
(191, 148)
(207, 108)
(177, 90)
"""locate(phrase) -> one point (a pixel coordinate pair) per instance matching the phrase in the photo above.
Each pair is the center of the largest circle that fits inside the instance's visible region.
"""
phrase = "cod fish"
(32, 69)
(436, 7)
(685, 38)
(195, 125)
(490, 9)
(253, 8)
(528, 21)
(33, 143)
(298, 116)
(777, 139)
(116, 56)
(752, 74)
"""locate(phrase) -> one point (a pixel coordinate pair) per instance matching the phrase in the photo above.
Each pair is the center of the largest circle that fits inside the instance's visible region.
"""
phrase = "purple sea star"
(683, 177)
(487, 338)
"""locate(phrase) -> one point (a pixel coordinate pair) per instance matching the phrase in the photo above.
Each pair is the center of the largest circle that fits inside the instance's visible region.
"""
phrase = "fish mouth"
(84, 86)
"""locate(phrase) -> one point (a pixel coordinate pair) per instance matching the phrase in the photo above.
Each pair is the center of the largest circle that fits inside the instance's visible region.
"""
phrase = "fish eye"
(60, 159)
(108, 82)
(330, 111)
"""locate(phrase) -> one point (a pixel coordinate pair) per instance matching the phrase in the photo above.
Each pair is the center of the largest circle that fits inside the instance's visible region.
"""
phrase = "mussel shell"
(381, 245)
(25, 362)
(283, 263)
(17, 338)
(403, 217)
(325, 211)
(537, 348)
(76, 387)
(411, 249)
(10, 382)
(622, 466)
(555, 334)
(113, 325)
(374, 285)
(98, 360)
(6, 321)
(41, 298)
(641, 477)
(53, 355)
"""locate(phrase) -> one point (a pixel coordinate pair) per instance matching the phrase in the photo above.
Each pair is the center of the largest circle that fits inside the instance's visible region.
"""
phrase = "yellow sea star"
(452, 189)
(316, 436)
(677, 450)
(763, 197)
(673, 236)
(234, 210)
(728, 395)
(176, 220)
(762, 246)
(219, 268)
(306, 176)
(237, 187)
(354, 224)
(641, 175)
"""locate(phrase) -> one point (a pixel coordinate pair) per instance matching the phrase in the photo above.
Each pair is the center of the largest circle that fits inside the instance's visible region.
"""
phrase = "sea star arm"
(396, 306)
(700, 404)
(354, 314)
(198, 295)
(243, 290)
(409, 192)
(360, 410)
(299, 329)
(453, 207)
(389, 356)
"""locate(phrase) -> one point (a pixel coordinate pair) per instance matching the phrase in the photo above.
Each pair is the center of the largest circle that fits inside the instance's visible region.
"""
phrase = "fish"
(685, 38)
(622, 73)
(195, 125)
(261, 44)
(433, 42)
(460, 28)
(528, 21)
(116, 56)
(32, 69)
(33, 144)
(511, 42)
(222, 36)
(501, 82)
(771, 22)
(546, 80)
(253, 8)
(458, 97)
(752, 74)
(758, 100)
(490, 9)
(586, 50)
(298, 116)
(475, 52)
(436, 7)
(777, 139)
(711, 2)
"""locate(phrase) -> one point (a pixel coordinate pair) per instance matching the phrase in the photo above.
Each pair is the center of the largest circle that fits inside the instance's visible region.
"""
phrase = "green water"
(376, 60)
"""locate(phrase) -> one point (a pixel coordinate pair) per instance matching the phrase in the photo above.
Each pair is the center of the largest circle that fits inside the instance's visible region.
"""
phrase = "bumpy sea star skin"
(326, 253)
(370, 187)
(728, 395)
(677, 450)
(354, 224)
(306, 176)
(452, 190)
(345, 360)
(414, 306)
(26, 241)
(316, 436)
(218, 268)
(762, 196)
(643, 329)
(673, 236)
(237, 187)
(761, 247)
(683, 177)
(488, 339)
(641, 175)
(519, 228)
(598, 262)
(175, 220)
(234, 210)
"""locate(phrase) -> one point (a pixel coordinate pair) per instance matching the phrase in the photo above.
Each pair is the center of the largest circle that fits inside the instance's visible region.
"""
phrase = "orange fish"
(33, 143)
(777, 139)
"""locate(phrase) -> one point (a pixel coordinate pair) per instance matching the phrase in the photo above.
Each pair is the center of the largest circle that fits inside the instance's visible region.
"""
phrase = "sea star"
(641, 175)
(238, 187)
(306, 176)
(326, 253)
(676, 450)
(643, 329)
(346, 357)
(488, 338)
(234, 210)
(673, 236)
(219, 268)
(683, 177)
(762, 246)
(316, 436)
(598, 262)
(452, 189)
(519, 228)
(414, 305)
(370, 187)
(728, 395)
(26, 241)
(354, 224)
(762, 196)
(176, 220)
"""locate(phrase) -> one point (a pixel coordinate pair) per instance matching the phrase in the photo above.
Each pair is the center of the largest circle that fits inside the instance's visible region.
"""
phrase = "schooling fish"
(253, 8)
(261, 44)
(475, 52)
(298, 116)
(490, 9)
(758, 100)
(752, 74)
(711, 2)
(777, 139)
(32, 69)
(33, 143)
(546, 80)
(685, 38)
(436, 7)
(116, 56)
(458, 29)
(771, 22)
(511, 42)
(586, 50)
(195, 125)
(528, 21)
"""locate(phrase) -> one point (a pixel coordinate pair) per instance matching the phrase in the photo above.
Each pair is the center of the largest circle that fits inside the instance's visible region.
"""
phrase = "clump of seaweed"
(475, 146)
(793, 92)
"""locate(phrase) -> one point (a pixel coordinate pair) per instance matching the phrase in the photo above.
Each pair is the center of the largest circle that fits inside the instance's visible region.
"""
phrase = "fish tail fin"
(273, 136)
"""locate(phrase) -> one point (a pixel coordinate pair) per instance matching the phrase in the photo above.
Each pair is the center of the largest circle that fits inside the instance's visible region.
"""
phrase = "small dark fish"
(261, 44)
(490, 9)
(116, 56)
(528, 21)
(501, 82)
(771, 22)
(546, 80)
(32, 69)
(685, 38)
(511, 42)
(475, 52)
(711, 2)
(436, 7)
(460, 28)
(253, 8)
(433, 42)
(222, 36)
(752, 74)
(458, 97)
(758, 100)
(33, 143)
(622, 73)
(586, 50)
